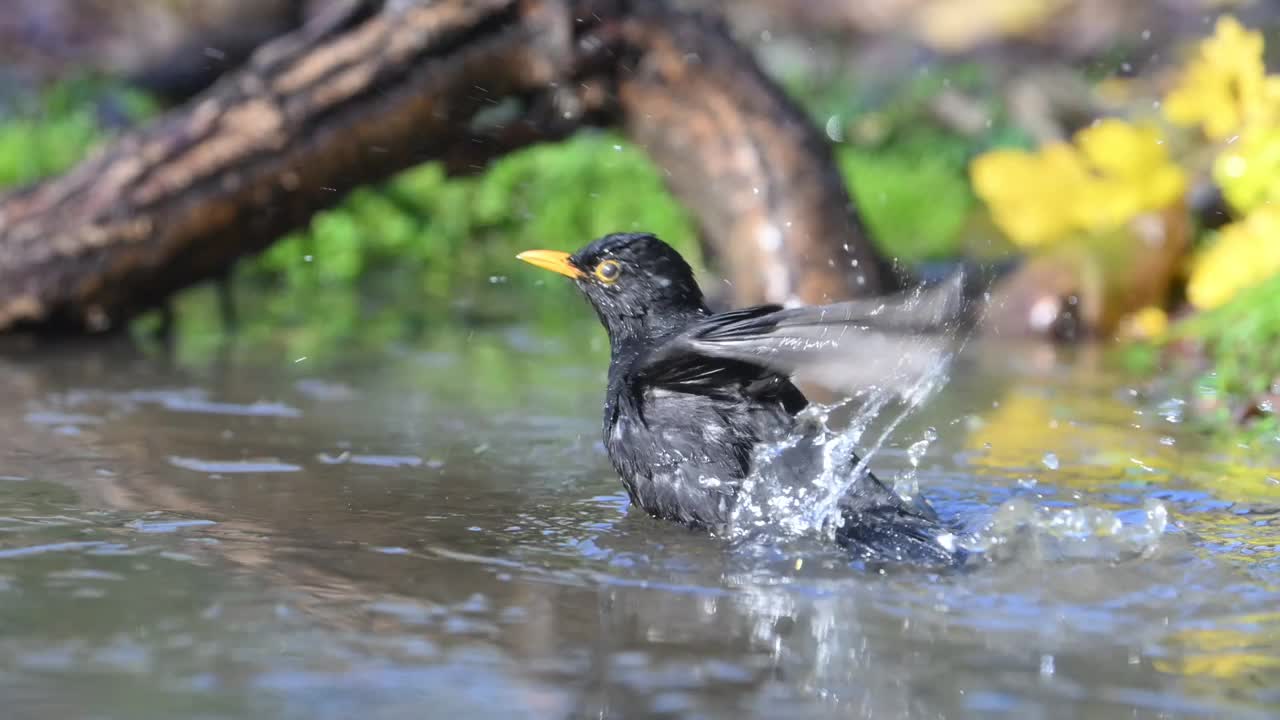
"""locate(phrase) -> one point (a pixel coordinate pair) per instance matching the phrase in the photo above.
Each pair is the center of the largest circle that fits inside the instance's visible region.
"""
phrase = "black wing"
(891, 341)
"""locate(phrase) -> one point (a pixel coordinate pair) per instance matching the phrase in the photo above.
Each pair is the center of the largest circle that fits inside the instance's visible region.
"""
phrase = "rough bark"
(372, 87)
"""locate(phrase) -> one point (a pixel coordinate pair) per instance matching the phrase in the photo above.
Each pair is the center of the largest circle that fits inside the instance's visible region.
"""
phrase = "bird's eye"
(608, 271)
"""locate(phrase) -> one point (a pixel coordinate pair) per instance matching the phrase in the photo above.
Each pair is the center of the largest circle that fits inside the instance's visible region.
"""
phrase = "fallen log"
(760, 177)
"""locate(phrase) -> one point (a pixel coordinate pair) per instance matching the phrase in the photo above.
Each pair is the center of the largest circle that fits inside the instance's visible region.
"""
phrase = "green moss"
(440, 238)
(52, 132)
(914, 194)
(1241, 342)
(1225, 362)
(33, 148)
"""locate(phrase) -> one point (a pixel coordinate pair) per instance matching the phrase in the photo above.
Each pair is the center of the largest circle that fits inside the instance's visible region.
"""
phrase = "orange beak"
(553, 260)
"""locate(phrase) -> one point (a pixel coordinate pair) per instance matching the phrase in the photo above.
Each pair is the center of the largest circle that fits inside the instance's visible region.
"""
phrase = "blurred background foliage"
(979, 129)
(425, 239)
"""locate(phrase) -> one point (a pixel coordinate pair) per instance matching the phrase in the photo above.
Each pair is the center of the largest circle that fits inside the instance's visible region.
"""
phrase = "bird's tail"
(894, 533)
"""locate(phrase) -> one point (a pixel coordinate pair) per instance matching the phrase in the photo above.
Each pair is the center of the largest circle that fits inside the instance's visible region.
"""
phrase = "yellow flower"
(1132, 173)
(1113, 172)
(1134, 154)
(1247, 170)
(1149, 323)
(1024, 194)
(1244, 254)
(1226, 85)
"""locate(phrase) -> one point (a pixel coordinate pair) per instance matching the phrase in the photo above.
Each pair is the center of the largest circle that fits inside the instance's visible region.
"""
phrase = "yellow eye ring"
(608, 271)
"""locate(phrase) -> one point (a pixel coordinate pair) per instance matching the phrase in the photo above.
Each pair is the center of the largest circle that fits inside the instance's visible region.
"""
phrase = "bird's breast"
(681, 457)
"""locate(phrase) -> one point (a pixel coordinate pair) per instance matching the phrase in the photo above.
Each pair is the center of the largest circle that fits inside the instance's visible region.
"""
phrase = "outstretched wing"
(888, 342)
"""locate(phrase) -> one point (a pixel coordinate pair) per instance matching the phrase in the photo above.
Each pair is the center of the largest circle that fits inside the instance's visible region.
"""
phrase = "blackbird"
(691, 393)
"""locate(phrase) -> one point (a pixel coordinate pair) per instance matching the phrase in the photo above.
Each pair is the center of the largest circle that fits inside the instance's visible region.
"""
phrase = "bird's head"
(639, 285)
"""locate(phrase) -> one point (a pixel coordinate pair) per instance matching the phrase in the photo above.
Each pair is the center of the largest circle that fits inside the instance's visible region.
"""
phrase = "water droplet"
(1145, 467)
(1046, 665)
(1171, 410)
(835, 132)
(1157, 518)
(917, 451)
(1050, 461)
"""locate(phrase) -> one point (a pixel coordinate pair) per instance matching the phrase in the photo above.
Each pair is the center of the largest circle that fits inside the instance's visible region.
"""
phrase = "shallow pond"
(436, 532)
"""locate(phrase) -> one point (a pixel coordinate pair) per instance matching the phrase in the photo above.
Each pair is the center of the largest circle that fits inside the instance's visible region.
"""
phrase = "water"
(435, 532)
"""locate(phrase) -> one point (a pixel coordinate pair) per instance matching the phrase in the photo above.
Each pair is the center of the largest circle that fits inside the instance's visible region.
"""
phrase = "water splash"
(1019, 529)
(907, 484)
(797, 483)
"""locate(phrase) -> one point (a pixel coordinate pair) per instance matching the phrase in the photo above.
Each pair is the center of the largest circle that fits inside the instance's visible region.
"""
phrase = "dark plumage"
(691, 393)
